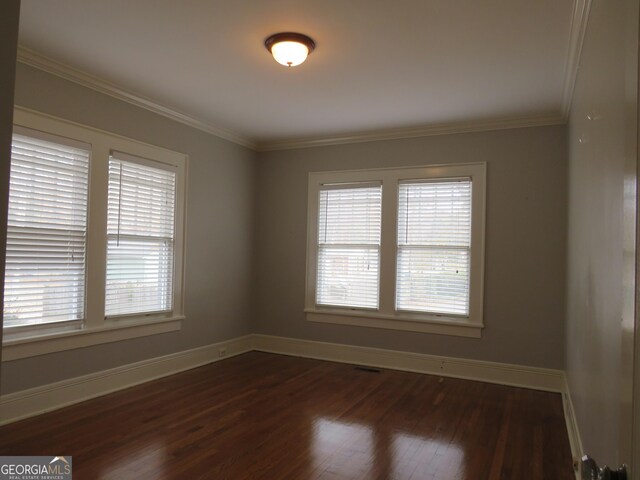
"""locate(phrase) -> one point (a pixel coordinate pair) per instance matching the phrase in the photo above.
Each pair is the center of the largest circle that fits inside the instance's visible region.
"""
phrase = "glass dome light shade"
(289, 53)
(289, 48)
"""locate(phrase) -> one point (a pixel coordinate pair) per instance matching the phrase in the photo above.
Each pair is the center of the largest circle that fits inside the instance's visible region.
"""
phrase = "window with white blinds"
(349, 223)
(46, 230)
(434, 246)
(140, 231)
(95, 238)
(398, 248)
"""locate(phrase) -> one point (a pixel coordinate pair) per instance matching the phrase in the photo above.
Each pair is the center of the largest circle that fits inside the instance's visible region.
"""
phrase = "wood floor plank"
(266, 416)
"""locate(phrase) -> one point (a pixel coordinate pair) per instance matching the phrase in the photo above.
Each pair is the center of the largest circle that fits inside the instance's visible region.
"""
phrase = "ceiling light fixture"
(288, 48)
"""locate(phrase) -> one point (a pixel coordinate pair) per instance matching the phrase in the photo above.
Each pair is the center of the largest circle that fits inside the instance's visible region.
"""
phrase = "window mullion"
(97, 235)
(388, 244)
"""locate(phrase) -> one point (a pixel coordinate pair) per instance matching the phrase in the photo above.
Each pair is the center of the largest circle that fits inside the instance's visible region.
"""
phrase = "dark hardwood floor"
(265, 416)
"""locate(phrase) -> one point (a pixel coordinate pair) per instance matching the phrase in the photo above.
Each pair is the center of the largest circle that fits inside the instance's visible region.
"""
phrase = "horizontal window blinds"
(140, 230)
(434, 241)
(46, 232)
(349, 223)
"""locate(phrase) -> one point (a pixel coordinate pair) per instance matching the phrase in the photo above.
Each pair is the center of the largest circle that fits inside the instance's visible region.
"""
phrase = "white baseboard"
(34, 401)
(575, 440)
(492, 372)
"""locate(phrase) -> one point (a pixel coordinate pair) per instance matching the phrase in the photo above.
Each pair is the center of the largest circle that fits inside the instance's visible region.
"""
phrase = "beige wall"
(219, 230)
(9, 16)
(525, 242)
(601, 238)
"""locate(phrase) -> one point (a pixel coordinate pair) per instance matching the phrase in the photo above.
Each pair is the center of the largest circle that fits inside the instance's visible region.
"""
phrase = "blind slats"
(46, 232)
(140, 229)
(349, 225)
(434, 240)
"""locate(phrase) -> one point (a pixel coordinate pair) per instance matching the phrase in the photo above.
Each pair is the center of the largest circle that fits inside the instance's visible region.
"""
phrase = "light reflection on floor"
(151, 458)
(342, 448)
(417, 457)
(351, 450)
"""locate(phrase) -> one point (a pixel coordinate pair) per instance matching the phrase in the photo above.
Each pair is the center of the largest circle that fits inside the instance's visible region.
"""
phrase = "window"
(46, 230)
(434, 246)
(398, 248)
(140, 237)
(95, 238)
(349, 246)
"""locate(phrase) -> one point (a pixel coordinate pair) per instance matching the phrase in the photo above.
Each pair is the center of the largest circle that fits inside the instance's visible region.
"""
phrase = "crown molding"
(579, 21)
(425, 131)
(578, 28)
(62, 70)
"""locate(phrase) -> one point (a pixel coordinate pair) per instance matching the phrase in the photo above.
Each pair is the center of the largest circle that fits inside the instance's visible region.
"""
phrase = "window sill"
(31, 346)
(444, 326)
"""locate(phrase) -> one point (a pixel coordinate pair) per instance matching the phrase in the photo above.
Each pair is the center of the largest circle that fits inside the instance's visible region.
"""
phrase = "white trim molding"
(579, 21)
(38, 400)
(575, 441)
(390, 322)
(578, 27)
(536, 378)
(62, 70)
(491, 372)
(35, 401)
(416, 132)
(41, 344)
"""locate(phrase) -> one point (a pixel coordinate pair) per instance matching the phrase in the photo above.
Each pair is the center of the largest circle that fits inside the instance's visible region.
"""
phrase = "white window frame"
(21, 342)
(128, 158)
(329, 245)
(386, 316)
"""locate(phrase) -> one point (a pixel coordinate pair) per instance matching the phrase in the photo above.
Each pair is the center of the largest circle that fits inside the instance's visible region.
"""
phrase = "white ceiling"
(378, 64)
